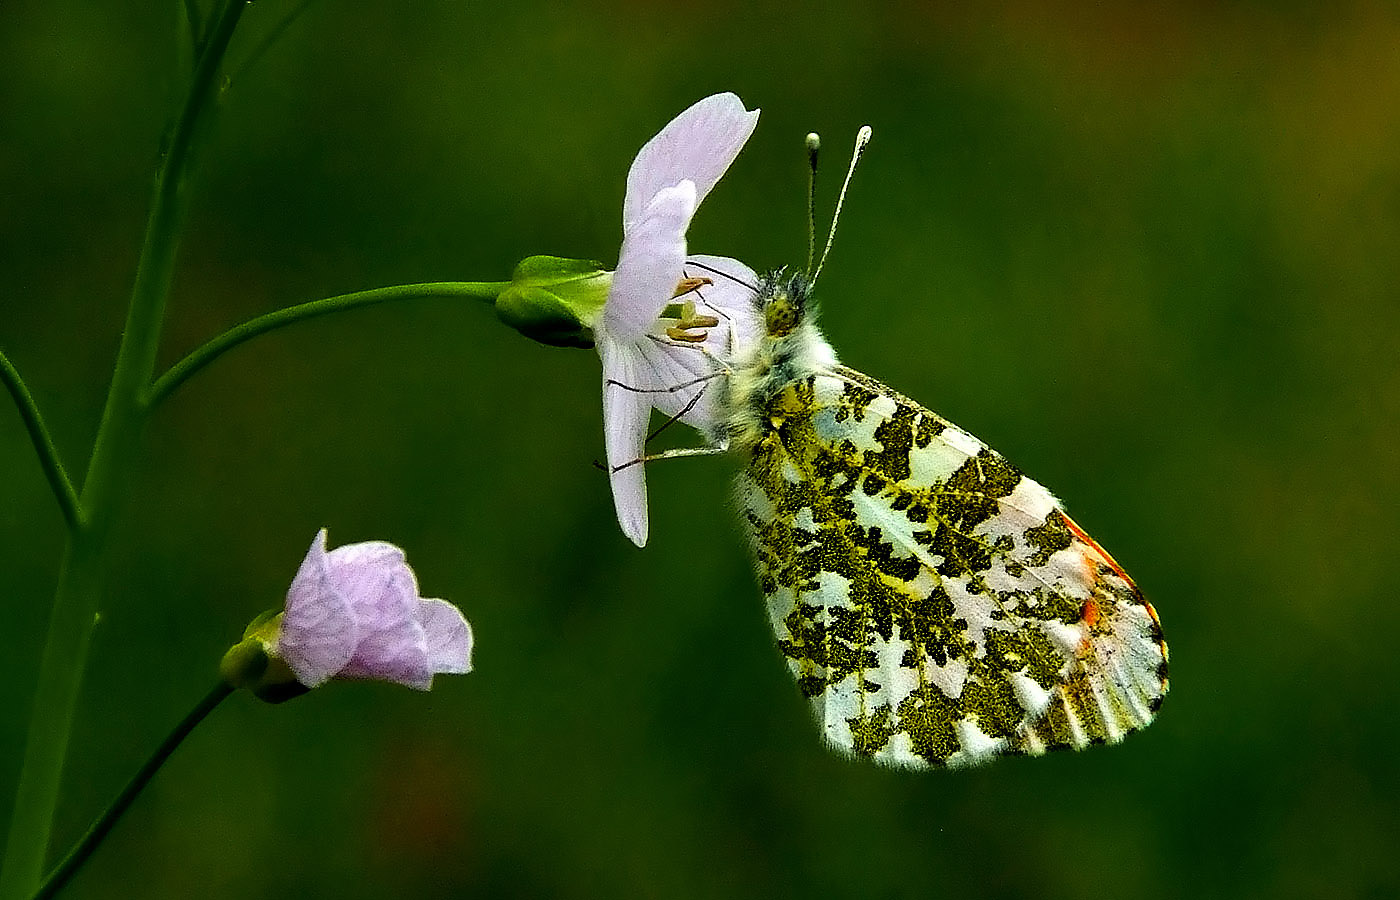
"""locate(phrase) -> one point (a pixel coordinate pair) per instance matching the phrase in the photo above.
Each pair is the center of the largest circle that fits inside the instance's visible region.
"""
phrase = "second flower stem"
(197, 359)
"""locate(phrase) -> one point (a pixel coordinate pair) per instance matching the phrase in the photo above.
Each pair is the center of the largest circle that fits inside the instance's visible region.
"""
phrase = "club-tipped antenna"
(814, 149)
(862, 139)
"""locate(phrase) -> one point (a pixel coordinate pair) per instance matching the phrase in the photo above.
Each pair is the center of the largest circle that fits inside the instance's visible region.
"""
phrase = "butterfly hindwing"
(936, 605)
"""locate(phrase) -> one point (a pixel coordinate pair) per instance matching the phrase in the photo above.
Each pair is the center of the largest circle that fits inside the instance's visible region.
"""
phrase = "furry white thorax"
(760, 371)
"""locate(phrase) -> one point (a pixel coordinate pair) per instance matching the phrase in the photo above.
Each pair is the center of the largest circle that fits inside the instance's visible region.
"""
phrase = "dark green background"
(1148, 251)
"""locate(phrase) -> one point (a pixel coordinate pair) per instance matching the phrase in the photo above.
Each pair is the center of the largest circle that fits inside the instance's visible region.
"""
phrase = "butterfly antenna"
(711, 269)
(862, 139)
(814, 147)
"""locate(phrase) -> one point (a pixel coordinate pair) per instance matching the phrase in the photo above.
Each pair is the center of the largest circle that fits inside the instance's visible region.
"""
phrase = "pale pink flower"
(643, 367)
(354, 612)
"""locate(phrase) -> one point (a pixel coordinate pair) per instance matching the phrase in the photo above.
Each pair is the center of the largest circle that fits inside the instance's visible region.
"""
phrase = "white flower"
(664, 363)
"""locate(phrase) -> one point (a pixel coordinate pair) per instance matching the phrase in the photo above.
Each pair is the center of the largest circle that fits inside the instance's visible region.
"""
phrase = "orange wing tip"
(1108, 559)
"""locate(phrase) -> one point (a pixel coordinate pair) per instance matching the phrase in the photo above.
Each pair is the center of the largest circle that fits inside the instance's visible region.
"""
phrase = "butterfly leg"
(703, 381)
(680, 414)
(613, 382)
(670, 454)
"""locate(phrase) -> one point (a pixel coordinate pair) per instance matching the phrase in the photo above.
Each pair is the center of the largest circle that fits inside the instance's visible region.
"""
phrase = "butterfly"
(935, 605)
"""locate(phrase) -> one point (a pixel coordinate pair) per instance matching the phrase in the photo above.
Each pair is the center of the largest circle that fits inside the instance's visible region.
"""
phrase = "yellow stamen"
(687, 285)
(688, 319)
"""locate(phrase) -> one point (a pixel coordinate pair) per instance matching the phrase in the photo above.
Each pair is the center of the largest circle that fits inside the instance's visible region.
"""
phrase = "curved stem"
(202, 356)
(43, 445)
(84, 848)
(75, 604)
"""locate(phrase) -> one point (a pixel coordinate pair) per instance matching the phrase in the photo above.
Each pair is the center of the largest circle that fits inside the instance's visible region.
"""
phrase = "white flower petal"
(699, 144)
(642, 366)
(625, 418)
(732, 299)
(649, 265)
(666, 364)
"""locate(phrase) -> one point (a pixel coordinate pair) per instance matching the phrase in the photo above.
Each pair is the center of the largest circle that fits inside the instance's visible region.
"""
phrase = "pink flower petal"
(649, 265)
(383, 594)
(699, 145)
(318, 633)
(398, 654)
(625, 417)
(355, 613)
(449, 637)
(366, 556)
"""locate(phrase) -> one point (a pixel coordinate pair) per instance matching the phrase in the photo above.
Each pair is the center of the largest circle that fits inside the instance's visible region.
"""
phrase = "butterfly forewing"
(935, 605)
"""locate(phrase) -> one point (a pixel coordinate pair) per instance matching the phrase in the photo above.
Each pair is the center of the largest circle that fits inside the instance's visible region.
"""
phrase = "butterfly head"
(784, 299)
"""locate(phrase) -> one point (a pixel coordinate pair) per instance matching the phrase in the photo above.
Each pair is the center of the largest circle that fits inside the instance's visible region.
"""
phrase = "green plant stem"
(43, 445)
(202, 356)
(80, 575)
(90, 841)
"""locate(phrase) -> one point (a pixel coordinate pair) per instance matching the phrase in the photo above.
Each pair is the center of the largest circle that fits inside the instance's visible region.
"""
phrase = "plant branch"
(202, 356)
(43, 445)
(90, 841)
(80, 578)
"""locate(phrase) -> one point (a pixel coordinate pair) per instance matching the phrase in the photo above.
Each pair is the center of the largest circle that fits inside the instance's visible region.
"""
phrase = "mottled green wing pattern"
(936, 605)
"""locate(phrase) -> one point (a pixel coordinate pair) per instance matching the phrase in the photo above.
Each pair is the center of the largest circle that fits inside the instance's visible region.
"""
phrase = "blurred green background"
(1149, 251)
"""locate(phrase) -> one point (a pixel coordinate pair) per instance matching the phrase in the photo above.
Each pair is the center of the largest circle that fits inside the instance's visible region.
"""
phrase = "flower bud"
(554, 300)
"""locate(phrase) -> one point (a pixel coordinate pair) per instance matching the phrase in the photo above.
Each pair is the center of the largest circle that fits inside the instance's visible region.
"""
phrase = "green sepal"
(555, 300)
(252, 663)
(244, 663)
(266, 624)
